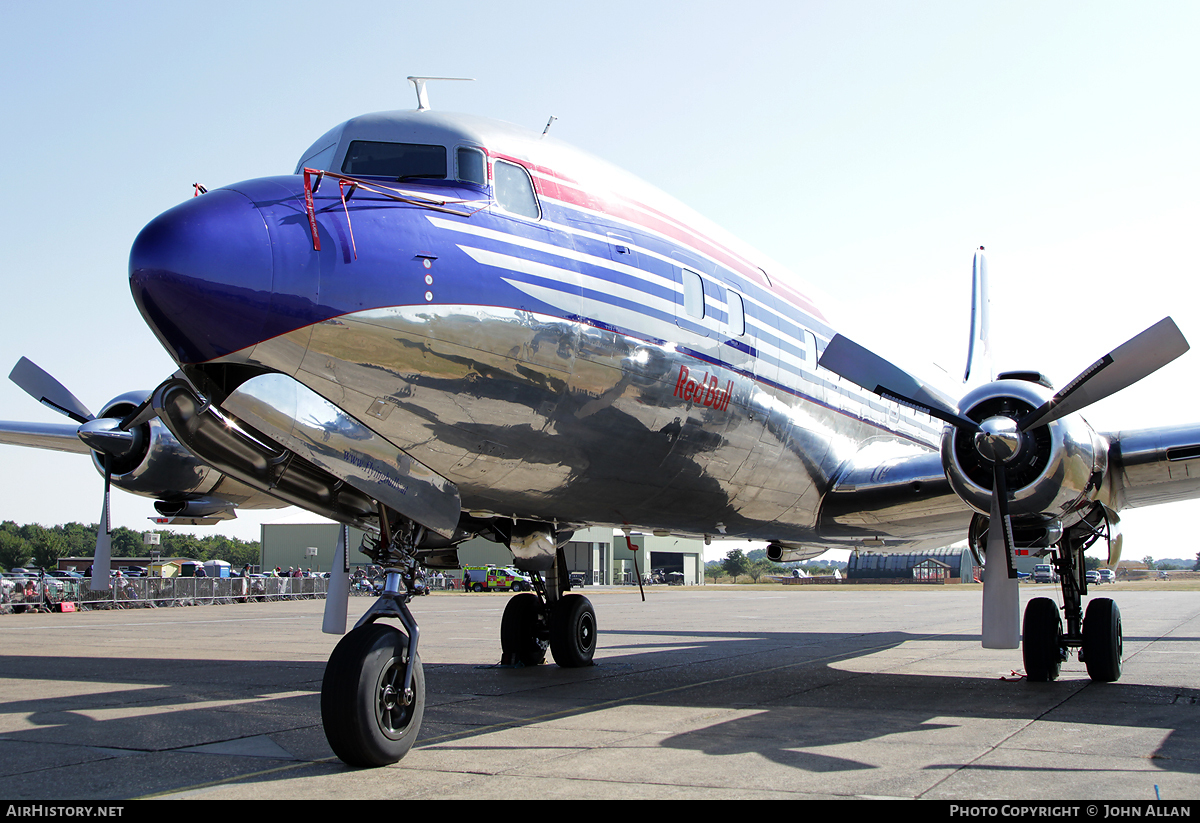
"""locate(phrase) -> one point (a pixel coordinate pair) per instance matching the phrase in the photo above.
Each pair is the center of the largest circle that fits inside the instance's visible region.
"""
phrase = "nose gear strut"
(373, 692)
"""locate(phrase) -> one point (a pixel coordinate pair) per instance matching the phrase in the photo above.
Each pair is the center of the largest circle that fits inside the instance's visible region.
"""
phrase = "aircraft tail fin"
(979, 350)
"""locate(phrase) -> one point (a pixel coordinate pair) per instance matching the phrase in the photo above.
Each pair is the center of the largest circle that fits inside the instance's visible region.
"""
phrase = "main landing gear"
(552, 618)
(1097, 634)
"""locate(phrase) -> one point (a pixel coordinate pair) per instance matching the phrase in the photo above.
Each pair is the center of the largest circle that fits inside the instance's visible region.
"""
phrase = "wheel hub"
(388, 698)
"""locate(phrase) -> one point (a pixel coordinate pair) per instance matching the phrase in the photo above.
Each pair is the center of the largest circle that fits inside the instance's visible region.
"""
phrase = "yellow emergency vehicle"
(495, 578)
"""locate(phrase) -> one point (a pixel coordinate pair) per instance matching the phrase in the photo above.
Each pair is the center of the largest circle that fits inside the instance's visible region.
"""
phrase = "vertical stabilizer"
(979, 349)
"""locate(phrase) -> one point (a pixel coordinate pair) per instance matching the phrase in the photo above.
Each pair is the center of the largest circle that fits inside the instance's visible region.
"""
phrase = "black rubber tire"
(364, 722)
(573, 631)
(1102, 641)
(1041, 640)
(522, 636)
(476, 587)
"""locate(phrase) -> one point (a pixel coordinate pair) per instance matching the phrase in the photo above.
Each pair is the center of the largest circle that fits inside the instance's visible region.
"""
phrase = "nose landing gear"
(373, 692)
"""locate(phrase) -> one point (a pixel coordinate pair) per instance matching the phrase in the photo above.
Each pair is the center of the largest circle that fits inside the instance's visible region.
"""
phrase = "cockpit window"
(317, 160)
(471, 166)
(514, 190)
(395, 160)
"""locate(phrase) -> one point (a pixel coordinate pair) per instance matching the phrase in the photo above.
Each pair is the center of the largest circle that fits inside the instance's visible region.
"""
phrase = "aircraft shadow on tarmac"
(799, 691)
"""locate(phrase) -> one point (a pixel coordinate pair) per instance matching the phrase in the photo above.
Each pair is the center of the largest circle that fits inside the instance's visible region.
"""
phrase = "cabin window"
(737, 313)
(471, 166)
(395, 160)
(693, 294)
(514, 190)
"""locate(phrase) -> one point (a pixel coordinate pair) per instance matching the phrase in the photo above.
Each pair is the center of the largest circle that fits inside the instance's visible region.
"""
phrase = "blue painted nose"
(201, 276)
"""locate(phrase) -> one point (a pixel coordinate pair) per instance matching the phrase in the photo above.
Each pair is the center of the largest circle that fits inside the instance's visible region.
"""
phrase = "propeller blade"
(102, 559)
(1001, 598)
(1122, 367)
(45, 389)
(337, 599)
(864, 368)
(140, 414)
(979, 350)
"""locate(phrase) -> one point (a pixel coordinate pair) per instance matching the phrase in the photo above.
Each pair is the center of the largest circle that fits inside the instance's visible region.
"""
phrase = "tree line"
(755, 565)
(42, 546)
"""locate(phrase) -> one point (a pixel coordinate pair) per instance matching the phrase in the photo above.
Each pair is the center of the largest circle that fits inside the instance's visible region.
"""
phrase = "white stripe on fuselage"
(565, 276)
(793, 368)
(784, 357)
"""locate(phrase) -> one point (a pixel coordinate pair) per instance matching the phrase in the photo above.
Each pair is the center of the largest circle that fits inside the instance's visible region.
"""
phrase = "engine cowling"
(157, 465)
(1056, 472)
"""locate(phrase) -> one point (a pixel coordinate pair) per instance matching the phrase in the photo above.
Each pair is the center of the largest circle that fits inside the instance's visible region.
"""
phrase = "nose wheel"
(370, 718)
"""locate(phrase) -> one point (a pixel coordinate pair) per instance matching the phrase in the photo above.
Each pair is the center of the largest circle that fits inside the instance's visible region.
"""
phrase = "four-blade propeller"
(1000, 440)
(112, 439)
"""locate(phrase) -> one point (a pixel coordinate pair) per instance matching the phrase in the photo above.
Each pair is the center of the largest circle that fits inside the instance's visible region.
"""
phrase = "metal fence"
(184, 591)
(168, 591)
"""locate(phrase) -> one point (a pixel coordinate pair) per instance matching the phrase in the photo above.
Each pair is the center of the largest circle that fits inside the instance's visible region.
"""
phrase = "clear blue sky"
(868, 146)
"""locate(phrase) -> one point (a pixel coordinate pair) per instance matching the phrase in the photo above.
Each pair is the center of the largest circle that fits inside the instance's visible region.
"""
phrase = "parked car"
(1044, 573)
(1092, 576)
(1107, 575)
(20, 578)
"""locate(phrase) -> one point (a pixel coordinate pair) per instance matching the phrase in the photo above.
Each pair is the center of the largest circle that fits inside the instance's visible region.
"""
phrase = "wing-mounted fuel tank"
(1055, 471)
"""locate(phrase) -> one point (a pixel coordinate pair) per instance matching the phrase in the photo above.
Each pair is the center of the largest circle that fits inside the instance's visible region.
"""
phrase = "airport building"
(960, 565)
(601, 555)
(954, 564)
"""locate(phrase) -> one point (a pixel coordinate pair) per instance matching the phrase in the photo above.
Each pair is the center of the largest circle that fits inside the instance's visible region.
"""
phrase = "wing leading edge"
(63, 437)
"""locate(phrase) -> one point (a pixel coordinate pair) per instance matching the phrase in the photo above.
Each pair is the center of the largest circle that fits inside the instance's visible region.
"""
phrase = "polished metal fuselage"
(550, 367)
(539, 417)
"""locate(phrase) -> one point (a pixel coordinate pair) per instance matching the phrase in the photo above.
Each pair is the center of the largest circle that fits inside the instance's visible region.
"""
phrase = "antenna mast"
(422, 95)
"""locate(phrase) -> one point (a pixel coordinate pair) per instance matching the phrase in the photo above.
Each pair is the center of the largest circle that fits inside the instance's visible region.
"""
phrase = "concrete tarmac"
(701, 692)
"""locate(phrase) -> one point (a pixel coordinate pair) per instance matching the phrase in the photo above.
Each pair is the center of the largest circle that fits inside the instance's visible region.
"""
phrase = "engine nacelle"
(1057, 471)
(159, 465)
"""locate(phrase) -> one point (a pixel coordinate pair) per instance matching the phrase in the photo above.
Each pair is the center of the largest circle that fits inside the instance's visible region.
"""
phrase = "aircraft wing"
(63, 437)
(1152, 466)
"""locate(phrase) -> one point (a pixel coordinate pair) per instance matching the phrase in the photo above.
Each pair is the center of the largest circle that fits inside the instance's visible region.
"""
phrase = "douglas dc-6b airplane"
(442, 326)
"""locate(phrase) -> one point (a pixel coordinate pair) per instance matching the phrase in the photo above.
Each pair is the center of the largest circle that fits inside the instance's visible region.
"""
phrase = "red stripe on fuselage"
(630, 211)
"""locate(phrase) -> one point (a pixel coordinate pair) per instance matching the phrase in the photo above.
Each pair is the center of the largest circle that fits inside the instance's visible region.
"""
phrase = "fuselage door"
(697, 299)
